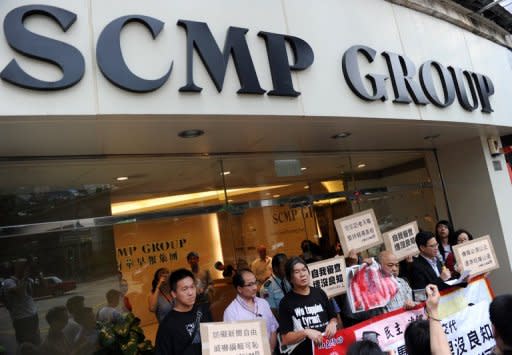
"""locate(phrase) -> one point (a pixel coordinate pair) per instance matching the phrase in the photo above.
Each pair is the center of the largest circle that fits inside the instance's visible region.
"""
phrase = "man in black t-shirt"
(305, 312)
(178, 333)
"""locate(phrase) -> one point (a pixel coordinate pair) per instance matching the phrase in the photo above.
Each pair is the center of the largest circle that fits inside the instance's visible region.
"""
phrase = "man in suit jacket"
(426, 268)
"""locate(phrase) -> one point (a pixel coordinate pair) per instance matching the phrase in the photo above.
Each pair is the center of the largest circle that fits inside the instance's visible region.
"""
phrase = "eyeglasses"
(251, 284)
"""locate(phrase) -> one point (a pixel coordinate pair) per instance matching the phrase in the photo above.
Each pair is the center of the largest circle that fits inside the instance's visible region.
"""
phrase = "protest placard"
(401, 241)
(476, 256)
(235, 338)
(329, 275)
(465, 322)
(358, 231)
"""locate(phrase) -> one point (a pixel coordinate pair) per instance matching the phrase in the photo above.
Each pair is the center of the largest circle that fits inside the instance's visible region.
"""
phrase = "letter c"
(110, 57)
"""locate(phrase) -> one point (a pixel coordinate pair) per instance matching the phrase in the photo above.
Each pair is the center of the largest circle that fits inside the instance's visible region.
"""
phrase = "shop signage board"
(329, 275)
(476, 256)
(401, 241)
(235, 338)
(359, 231)
(199, 38)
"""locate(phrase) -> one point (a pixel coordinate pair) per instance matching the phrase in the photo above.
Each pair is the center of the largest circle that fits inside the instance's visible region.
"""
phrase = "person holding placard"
(305, 312)
(246, 306)
(390, 268)
(462, 236)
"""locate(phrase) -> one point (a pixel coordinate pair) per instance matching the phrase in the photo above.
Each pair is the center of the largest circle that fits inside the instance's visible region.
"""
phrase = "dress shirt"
(274, 289)
(239, 310)
(432, 263)
(403, 294)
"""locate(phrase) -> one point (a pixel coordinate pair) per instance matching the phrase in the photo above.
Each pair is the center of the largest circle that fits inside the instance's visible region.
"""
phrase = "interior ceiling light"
(362, 165)
(341, 135)
(226, 173)
(306, 187)
(303, 168)
(122, 178)
(276, 196)
(165, 202)
(191, 133)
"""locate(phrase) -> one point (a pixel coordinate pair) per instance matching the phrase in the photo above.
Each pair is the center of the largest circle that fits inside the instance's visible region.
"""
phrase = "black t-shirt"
(174, 336)
(297, 312)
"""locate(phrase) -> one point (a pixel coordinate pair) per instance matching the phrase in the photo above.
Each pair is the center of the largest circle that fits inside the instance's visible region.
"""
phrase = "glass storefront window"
(74, 221)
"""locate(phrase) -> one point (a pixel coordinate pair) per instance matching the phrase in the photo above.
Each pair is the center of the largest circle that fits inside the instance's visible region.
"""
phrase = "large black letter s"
(66, 57)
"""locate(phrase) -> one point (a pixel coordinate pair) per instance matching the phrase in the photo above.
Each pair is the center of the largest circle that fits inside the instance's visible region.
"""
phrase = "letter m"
(122, 252)
(215, 61)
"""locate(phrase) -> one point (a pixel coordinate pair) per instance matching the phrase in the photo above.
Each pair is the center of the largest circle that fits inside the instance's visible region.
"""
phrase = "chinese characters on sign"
(235, 338)
(147, 254)
(359, 231)
(476, 256)
(329, 275)
(401, 241)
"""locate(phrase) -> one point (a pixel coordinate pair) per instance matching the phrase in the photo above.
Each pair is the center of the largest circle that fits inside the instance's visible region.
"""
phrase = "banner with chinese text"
(465, 322)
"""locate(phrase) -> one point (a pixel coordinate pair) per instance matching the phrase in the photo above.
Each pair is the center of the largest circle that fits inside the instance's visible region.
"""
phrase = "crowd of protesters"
(275, 289)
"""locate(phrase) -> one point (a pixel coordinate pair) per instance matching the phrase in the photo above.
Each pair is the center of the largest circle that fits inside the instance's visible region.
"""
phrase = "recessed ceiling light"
(122, 178)
(303, 168)
(276, 196)
(432, 136)
(267, 193)
(362, 165)
(341, 135)
(231, 200)
(306, 187)
(226, 173)
(191, 133)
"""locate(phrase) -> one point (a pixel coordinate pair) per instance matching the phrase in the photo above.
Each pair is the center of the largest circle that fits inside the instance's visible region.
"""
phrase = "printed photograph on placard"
(476, 256)
(329, 275)
(401, 241)
(368, 288)
(234, 338)
(359, 231)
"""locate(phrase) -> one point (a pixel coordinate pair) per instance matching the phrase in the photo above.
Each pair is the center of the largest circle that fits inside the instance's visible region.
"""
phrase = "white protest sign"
(476, 256)
(359, 231)
(401, 241)
(329, 275)
(235, 338)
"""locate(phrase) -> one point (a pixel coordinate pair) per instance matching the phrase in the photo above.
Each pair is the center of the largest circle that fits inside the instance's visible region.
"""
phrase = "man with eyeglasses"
(246, 306)
(426, 268)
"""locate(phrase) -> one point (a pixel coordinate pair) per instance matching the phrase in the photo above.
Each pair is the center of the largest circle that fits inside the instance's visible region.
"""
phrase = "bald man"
(390, 267)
